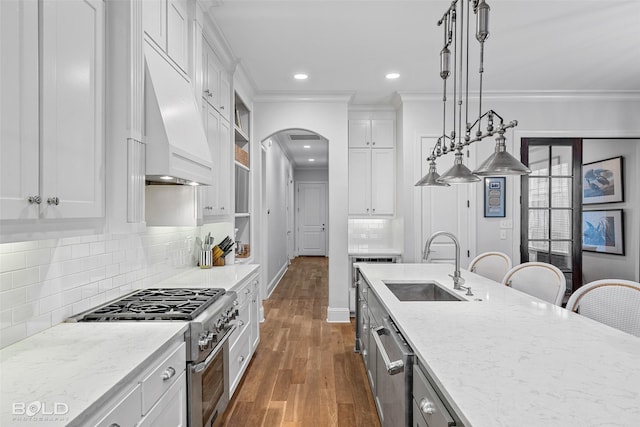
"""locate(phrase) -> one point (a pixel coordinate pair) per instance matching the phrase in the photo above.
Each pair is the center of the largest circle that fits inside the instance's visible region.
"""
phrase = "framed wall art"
(602, 181)
(494, 197)
(603, 231)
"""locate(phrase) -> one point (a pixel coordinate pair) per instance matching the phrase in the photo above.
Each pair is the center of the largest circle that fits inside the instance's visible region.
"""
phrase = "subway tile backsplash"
(371, 233)
(44, 282)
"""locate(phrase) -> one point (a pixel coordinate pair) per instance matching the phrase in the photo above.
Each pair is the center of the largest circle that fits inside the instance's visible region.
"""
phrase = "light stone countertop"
(513, 360)
(80, 365)
(84, 365)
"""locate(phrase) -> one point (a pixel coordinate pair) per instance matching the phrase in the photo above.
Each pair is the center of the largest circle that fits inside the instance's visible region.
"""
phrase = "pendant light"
(455, 23)
(458, 173)
(431, 178)
(501, 162)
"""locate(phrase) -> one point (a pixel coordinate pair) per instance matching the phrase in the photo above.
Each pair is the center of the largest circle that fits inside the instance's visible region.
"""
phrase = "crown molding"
(288, 96)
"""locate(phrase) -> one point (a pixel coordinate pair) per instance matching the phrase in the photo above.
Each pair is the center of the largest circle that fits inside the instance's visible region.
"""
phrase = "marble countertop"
(84, 365)
(514, 360)
(80, 365)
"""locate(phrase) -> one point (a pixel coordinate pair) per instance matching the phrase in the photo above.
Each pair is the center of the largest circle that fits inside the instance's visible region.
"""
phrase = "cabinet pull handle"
(53, 201)
(114, 425)
(34, 200)
(168, 373)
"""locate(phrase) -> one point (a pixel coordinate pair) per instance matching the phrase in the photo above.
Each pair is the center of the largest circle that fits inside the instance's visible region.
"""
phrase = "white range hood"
(176, 143)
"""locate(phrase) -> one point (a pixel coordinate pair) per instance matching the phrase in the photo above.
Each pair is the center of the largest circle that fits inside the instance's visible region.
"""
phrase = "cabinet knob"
(241, 359)
(222, 107)
(208, 93)
(367, 142)
(373, 143)
(53, 201)
(374, 209)
(168, 373)
(240, 322)
(427, 407)
(34, 200)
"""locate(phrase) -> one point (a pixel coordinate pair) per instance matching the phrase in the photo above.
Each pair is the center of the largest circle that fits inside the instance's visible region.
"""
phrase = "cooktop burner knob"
(203, 343)
(220, 323)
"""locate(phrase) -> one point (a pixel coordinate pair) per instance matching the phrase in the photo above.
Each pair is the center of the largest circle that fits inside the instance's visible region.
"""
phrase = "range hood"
(176, 143)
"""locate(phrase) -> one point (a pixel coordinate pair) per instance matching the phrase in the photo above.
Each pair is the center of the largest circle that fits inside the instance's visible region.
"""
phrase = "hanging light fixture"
(456, 46)
(431, 178)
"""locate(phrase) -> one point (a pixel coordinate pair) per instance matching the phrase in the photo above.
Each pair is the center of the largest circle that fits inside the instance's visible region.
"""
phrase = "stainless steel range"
(210, 313)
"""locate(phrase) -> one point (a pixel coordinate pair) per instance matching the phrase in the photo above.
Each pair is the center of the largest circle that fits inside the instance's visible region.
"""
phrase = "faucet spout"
(457, 278)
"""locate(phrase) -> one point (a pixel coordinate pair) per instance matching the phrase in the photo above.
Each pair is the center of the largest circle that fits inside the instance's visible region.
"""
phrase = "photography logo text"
(39, 411)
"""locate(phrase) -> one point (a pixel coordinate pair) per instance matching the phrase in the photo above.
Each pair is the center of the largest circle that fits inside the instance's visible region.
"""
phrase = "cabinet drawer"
(239, 357)
(171, 409)
(243, 320)
(162, 377)
(126, 412)
(427, 404)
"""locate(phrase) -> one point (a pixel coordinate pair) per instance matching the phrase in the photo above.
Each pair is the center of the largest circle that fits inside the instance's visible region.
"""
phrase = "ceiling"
(301, 145)
(347, 46)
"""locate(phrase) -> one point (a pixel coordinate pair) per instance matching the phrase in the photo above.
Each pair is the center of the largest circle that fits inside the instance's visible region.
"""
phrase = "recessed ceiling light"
(193, 183)
(312, 160)
(392, 76)
(166, 178)
(300, 76)
(306, 146)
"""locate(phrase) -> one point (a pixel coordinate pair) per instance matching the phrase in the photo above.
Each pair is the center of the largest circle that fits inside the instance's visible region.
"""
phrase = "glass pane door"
(550, 210)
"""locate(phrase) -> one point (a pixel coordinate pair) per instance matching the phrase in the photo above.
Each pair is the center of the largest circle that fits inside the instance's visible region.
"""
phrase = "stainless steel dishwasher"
(393, 360)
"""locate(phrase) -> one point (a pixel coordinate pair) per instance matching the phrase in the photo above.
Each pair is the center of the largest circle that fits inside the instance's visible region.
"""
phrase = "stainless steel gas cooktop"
(156, 304)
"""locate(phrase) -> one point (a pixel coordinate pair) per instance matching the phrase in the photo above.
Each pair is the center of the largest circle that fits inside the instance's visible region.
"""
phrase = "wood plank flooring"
(304, 372)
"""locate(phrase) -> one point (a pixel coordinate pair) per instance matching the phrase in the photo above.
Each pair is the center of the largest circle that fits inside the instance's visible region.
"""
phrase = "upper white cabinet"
(166, 22)
(216, 89)
(371, 167)
(216, 199)
(52, 110)
(376, 133)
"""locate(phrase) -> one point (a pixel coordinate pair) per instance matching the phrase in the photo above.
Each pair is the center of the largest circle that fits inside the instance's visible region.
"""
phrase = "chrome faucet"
(458, 281)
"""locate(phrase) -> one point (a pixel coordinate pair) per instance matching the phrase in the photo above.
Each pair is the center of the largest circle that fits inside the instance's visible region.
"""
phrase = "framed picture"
(603, 231)
(494, 195)
(602, 181)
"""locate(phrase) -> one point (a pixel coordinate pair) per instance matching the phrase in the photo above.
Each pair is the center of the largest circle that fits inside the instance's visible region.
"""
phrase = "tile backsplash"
(44, 282)
(373, 233)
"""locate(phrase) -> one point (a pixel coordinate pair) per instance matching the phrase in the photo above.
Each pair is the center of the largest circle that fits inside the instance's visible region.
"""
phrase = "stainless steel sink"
(421, 291)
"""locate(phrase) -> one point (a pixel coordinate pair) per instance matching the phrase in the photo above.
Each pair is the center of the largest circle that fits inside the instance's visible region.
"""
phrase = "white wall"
(279, 170)
(597, 266)
(544, 115)
(311, 175)
(328, 118)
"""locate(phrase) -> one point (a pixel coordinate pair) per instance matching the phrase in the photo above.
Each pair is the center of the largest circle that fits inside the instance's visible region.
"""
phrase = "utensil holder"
(206, 259)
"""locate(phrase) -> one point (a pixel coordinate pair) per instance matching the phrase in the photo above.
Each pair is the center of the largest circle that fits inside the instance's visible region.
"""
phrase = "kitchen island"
(504, 358)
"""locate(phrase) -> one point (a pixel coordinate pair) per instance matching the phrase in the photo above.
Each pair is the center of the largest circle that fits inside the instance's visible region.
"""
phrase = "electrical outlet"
(503, 234)
(506, 224)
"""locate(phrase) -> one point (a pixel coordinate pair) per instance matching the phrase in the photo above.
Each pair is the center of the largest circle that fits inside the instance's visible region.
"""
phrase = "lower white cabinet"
(246, 337)
(157, 397)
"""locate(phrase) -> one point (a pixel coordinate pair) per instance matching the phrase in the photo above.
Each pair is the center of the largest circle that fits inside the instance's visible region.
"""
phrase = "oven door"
(208, 382)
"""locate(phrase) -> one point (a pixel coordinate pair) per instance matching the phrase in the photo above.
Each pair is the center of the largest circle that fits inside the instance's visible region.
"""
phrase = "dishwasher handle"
(394, 367)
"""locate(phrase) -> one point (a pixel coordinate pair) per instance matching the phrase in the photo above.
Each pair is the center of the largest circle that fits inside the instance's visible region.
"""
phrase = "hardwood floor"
(304, 372)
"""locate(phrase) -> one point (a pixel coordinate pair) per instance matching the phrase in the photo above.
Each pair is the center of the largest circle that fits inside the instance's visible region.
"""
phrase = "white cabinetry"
(216, 199)
(371, 133)
(52, 110)
(216, 89)
(158, 397)
(166, 22)
(246, 337)
(371, 167)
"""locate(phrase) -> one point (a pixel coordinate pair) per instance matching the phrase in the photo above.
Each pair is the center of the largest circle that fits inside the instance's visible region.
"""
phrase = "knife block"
(218, 259)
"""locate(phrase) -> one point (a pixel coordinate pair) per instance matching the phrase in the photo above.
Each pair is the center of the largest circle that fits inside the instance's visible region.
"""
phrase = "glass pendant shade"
(431, 178)
(458, 173)
(501, 162)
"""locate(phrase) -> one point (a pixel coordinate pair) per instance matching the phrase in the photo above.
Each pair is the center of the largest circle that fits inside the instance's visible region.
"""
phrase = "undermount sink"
(421, 291)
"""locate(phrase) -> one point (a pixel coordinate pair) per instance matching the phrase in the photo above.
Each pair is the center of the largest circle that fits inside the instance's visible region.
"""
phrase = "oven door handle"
(394, 367)
(205, 364)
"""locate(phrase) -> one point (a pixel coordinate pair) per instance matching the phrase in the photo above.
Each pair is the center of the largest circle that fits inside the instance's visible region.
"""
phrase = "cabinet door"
(382, 181)
(72, 145)
(359, 181)
(382, 133)
(211, 79)
(359, 133)
(19, 131)
(223, 181)
(254, 321)
(209, 194)
(178, 32)
(154, 14)
(126, 412)
(225, 95)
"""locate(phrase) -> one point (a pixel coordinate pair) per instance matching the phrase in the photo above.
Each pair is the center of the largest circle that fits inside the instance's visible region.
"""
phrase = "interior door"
(552, 205)
(312, 219)
(444, 209)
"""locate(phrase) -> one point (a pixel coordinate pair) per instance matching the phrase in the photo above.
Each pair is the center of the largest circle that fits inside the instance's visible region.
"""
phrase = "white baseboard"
(338, 315)
(274, 283)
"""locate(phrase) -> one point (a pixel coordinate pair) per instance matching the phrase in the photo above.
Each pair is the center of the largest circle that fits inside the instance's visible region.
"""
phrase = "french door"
(552, 205)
